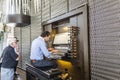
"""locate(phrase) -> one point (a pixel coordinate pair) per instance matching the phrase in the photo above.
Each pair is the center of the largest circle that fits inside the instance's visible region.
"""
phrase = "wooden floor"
(22, 74)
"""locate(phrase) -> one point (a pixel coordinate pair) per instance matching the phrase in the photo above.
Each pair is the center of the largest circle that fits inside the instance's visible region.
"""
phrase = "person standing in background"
(18, 53)
(9, 61)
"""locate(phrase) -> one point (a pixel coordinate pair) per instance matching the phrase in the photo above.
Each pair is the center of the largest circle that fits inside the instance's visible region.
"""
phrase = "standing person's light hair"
(11, 40)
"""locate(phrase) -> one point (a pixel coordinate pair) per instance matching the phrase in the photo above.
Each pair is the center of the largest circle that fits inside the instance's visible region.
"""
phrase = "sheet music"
(62, 38)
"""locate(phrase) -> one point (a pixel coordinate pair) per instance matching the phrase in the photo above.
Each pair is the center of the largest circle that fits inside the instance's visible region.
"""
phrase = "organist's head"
(46, 35)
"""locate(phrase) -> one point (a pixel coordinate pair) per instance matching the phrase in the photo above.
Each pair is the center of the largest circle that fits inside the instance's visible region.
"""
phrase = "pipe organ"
(67, 43)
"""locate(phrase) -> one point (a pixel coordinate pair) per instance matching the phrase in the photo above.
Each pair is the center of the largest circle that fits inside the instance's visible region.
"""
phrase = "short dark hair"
(45, 33)
(16, 39)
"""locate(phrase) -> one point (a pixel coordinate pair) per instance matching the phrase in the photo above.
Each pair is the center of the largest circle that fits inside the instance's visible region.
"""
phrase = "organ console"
(66, 43)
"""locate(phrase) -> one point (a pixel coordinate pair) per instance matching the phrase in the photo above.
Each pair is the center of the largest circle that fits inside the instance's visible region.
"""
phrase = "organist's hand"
(50, 49)
(55, 51)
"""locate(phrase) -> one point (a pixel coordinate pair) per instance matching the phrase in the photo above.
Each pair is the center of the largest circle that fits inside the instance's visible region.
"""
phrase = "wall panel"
(25, 46)
(35, 26)
(104, 39)
(45, 10)
(36, 20)
(58, 7)
(73, 4)
(35, 7)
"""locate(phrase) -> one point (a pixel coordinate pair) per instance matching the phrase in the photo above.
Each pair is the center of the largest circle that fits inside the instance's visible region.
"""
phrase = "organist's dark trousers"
(44, 64)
